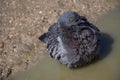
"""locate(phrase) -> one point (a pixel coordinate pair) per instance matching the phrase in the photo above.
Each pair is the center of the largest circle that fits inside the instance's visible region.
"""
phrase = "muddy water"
(107, 68)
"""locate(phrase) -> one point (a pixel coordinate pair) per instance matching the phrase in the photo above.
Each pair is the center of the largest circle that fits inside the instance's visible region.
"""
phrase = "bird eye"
(71, 20)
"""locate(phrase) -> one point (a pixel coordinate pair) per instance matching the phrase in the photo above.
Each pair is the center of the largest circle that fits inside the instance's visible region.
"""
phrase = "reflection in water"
(107, 68)
(105, 45)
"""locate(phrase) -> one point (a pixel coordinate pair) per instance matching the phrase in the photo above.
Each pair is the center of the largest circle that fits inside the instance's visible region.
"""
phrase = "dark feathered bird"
(72, 40)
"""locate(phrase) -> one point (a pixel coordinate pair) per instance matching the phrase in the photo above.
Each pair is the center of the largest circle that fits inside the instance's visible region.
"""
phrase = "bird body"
(72, 40)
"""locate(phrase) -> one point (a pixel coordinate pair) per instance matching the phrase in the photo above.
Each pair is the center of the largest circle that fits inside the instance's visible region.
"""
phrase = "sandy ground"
(23, 21)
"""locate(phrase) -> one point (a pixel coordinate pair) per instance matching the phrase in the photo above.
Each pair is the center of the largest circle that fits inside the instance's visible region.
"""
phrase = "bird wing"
(52, 33)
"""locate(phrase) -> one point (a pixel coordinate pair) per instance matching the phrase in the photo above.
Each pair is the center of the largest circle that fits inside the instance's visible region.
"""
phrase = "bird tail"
(43, 38)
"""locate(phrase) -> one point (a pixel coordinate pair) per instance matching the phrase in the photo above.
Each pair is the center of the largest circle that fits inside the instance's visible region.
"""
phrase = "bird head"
(68, 21)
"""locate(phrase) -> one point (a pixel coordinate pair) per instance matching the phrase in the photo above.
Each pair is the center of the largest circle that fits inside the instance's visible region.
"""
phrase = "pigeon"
(72, 40)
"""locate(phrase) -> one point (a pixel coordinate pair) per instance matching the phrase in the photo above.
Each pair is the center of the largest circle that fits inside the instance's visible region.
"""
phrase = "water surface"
(108, 68)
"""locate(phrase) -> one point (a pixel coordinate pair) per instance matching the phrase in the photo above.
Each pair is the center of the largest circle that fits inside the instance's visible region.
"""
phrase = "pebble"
(40, 12)
(1, 45)
(10, 36)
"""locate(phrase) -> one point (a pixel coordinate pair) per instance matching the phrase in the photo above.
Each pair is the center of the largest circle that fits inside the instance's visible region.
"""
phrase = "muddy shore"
(23, 21)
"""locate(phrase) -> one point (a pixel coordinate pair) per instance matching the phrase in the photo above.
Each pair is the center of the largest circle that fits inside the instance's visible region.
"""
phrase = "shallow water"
(108, 68)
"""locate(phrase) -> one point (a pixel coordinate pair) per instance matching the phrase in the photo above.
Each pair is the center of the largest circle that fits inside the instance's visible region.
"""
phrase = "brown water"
(108, 68)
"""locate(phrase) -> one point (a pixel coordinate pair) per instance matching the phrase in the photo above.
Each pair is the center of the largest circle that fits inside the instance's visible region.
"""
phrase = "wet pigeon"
(72, 40)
